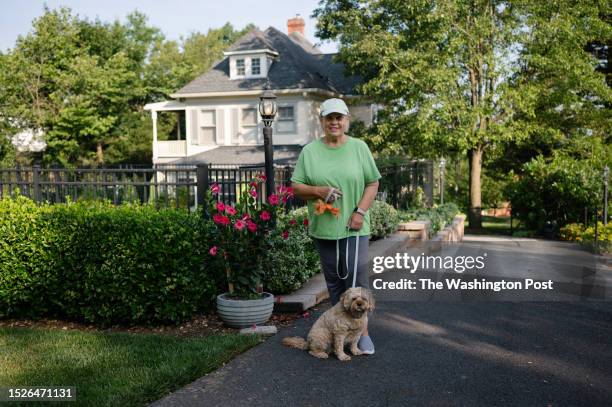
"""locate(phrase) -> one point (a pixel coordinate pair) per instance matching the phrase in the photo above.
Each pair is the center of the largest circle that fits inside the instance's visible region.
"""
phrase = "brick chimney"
(295, 24)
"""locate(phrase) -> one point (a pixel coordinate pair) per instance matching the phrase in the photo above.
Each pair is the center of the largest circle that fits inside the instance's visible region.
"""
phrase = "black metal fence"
(399, 182)
(183, 186)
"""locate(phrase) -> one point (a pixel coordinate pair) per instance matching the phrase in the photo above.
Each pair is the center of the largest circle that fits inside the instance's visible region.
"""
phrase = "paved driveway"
(455, 352)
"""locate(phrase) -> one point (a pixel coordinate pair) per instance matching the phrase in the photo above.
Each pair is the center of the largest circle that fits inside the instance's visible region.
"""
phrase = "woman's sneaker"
(366, 345)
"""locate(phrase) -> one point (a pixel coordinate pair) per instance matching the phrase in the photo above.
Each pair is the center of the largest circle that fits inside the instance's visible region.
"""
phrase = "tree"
(84, 84)
(52, 83)
(459, 76)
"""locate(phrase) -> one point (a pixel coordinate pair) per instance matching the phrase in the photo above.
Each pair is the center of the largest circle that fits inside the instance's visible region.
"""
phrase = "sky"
(175, 18)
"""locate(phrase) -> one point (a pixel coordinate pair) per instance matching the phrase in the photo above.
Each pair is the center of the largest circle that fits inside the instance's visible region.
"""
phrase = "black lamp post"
(442, 166)
(267, 110)
(606, 174)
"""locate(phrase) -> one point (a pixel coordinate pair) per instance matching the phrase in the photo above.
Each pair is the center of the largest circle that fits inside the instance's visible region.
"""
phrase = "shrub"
(571, 232)
(383, 219)
(291, 261)
(555, 190)
(438, 216)
(418, 200)
(97, 263)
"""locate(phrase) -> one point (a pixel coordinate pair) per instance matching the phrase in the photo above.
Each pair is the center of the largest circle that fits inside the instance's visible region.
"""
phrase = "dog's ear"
(345, 299)
(371, 301)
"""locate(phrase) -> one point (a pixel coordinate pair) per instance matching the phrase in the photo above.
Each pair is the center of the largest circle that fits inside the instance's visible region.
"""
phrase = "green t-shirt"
(348, 168)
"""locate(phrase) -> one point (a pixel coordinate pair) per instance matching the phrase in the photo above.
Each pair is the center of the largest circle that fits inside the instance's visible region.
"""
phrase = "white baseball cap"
(334, 106)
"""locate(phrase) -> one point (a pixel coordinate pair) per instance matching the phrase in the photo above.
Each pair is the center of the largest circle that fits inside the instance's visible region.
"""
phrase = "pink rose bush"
(244, 232)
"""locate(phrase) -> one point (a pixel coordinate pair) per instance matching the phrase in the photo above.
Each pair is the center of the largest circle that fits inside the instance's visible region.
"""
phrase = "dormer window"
(240, 69)
(255, 66)
(247, 64)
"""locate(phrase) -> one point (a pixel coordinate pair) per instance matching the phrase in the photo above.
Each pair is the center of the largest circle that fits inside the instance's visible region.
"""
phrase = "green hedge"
(102, 264)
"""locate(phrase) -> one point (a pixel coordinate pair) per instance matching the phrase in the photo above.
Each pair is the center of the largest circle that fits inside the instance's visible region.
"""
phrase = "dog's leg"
(339, 348)
(354, 349)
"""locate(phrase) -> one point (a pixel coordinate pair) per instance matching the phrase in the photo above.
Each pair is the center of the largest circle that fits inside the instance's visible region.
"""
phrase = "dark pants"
(342, 279)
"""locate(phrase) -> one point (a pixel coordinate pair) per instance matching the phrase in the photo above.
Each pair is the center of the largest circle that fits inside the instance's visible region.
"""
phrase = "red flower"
(253, 184)
(293, 222)
(215, 188)
(285, 191)
(251, 226)
(225, 220)
(239, 224)
(220, 206)
(305, 222)
(218, 218)
(246, 216)
(253, 193)
(273, 199)
(265, 216)
(285, 234)
(213, 251)
(230, 210)
(261, 177)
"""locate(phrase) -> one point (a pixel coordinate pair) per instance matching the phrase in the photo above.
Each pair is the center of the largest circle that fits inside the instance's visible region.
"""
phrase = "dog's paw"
(344, 357)
(356, 352)
(320, 355)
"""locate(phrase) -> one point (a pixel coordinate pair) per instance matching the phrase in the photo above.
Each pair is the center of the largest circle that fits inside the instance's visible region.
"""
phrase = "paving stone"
(260, 330)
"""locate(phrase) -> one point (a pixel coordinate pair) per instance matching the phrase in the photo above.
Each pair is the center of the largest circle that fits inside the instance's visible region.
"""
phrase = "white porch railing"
(172, 148)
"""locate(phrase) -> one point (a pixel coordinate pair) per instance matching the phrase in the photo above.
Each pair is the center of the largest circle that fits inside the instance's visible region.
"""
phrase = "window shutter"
(234, 125)
(194, 134)
(220, 139)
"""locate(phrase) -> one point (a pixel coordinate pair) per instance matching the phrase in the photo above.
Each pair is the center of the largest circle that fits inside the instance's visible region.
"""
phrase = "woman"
(339, 170)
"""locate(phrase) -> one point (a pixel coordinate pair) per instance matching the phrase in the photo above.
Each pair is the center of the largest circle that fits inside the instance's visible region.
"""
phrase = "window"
(249, 117)
(255, 66)
(286, 120)
(240, 67)
(208, 128)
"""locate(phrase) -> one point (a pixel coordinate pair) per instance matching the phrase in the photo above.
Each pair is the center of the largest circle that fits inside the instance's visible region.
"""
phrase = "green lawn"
(111, 369)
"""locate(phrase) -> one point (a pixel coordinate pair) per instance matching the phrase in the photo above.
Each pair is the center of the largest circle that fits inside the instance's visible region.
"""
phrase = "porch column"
(155, 152)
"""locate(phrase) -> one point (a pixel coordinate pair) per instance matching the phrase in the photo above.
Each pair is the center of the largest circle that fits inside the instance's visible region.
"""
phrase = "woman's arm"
(369, 193)
(308, 192)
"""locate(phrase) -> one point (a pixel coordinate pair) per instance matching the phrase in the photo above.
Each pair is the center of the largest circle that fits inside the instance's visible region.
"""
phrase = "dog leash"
(331, 192)
(347, 259)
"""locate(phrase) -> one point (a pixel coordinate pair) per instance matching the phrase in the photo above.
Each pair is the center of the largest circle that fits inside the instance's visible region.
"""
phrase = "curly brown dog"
(342, 324)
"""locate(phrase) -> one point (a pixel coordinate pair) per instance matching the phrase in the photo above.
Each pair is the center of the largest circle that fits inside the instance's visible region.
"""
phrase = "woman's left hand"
(356, 221)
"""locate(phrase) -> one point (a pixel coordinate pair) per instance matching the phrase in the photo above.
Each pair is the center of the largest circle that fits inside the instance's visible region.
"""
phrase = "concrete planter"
(244, 313)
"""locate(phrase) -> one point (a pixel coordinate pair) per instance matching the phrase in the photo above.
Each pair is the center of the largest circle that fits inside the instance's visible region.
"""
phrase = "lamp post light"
(606, 174)
(267, 110)
(442, 166)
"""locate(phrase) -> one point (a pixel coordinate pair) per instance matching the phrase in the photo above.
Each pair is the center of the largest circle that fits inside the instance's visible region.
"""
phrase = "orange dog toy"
(322, 207)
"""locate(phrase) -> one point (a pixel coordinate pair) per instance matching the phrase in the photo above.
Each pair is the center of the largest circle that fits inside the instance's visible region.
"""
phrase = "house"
(218, 116)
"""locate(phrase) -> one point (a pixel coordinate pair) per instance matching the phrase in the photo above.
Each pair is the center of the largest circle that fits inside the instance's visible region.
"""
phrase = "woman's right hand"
(329, 194)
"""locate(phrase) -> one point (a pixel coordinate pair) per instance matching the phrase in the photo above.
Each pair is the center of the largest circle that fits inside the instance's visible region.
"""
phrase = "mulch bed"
(200, 326)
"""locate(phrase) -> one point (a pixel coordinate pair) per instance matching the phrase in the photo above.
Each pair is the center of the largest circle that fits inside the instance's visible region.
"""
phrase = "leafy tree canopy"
(473, 76)
(84, 83)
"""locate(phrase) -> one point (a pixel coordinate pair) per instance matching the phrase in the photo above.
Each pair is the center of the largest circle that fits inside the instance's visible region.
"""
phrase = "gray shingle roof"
(299, 65)
(254, 39)
(243, 155)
